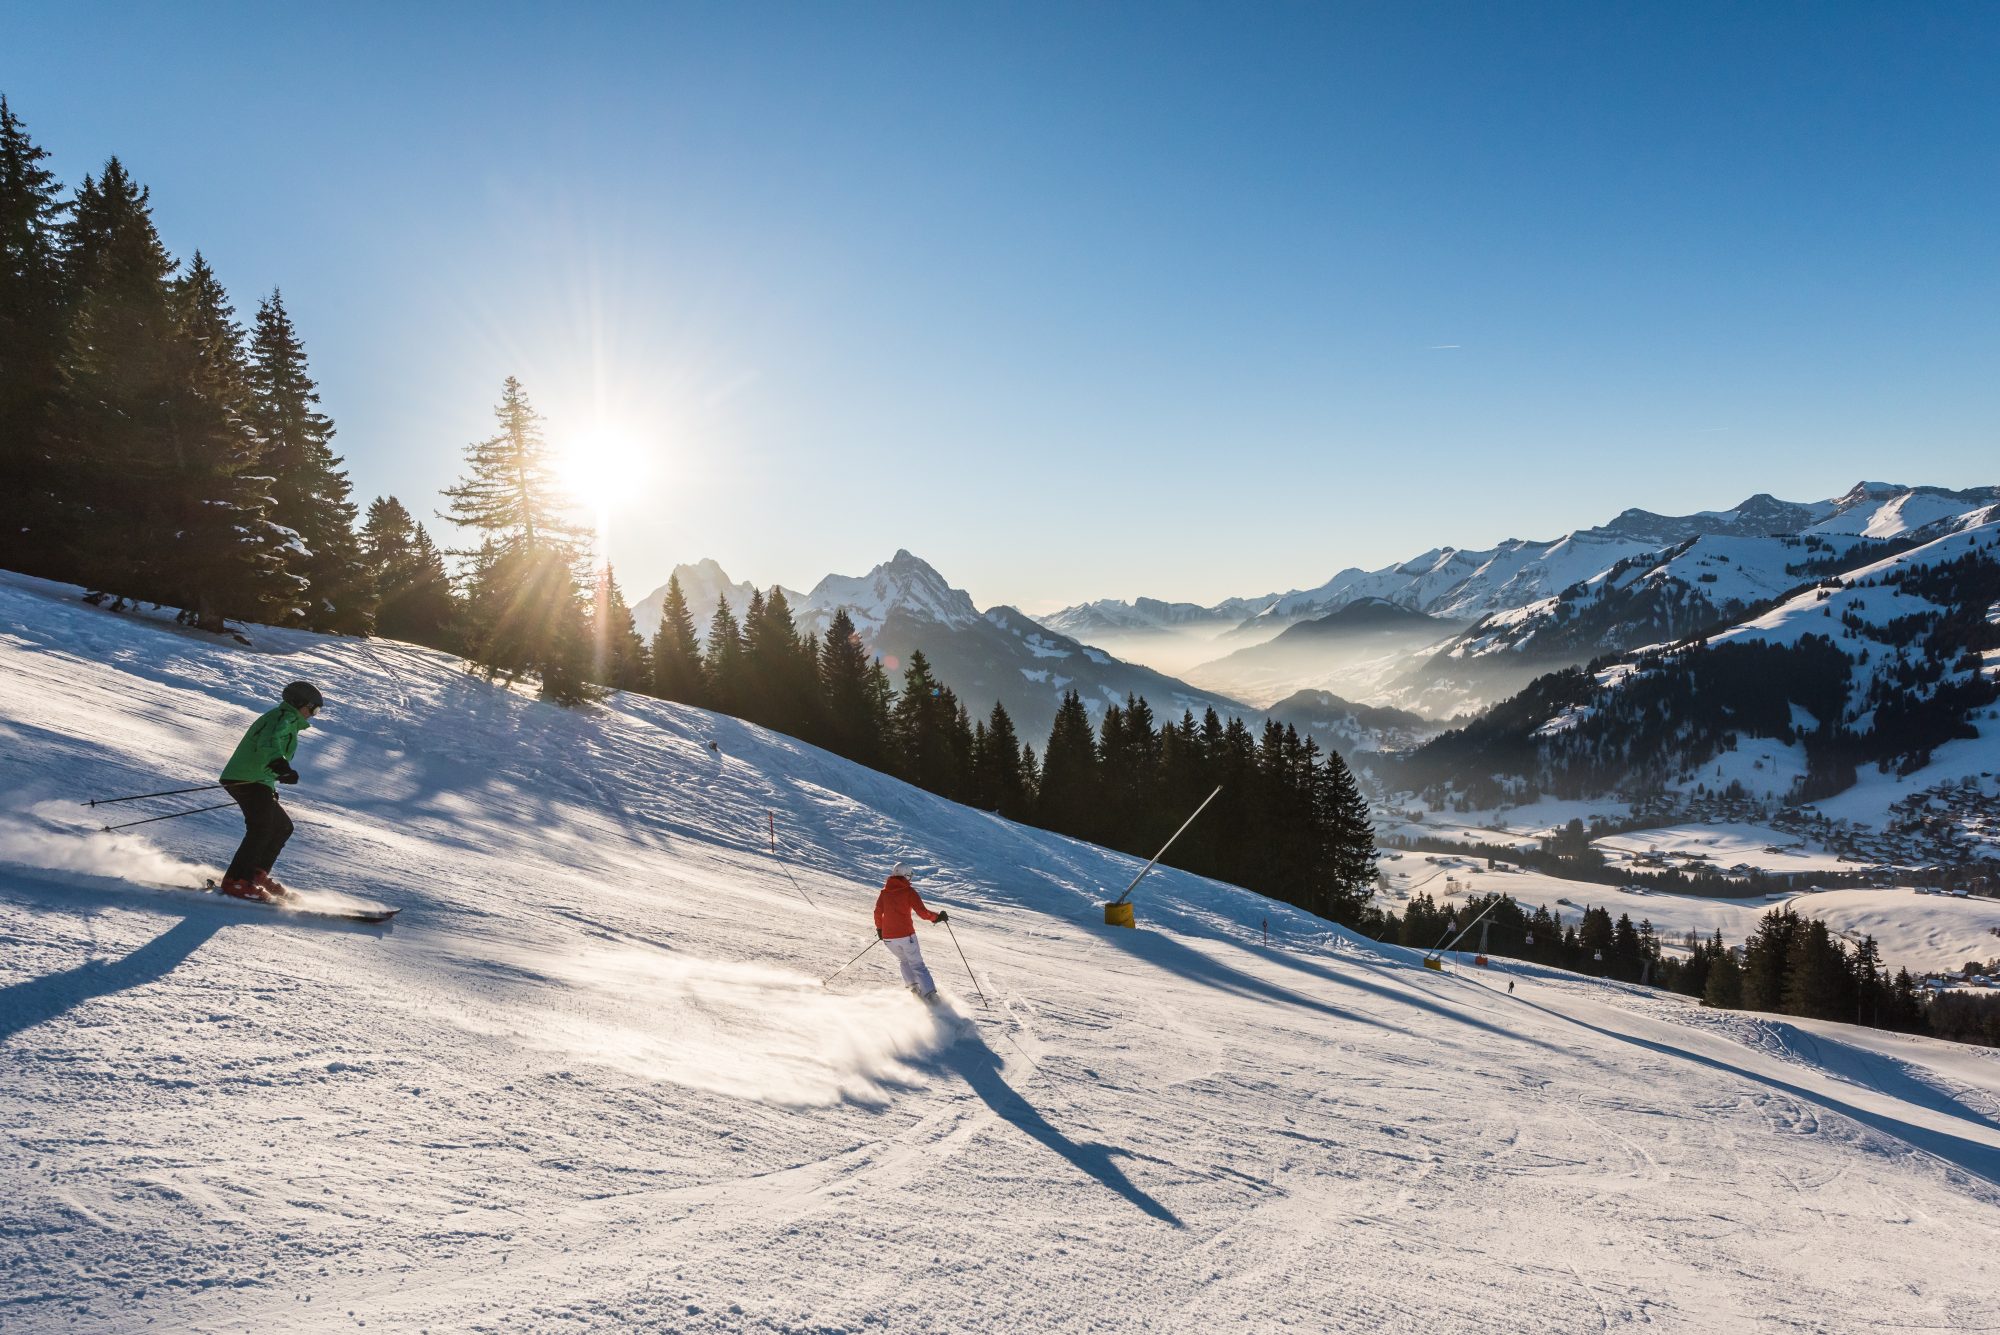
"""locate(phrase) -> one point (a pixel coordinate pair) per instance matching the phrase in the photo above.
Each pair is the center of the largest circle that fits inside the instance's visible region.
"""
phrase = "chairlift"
(1597, 955)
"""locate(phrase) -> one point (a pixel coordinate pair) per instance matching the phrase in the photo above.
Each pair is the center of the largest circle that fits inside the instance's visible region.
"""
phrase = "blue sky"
(1092, 300)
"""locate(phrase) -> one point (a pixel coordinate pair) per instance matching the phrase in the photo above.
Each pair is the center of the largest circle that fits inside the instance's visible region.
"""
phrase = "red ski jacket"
(894, 906)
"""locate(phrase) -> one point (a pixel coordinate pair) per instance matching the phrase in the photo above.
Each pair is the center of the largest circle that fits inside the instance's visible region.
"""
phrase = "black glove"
(283, 769)
(943, 916)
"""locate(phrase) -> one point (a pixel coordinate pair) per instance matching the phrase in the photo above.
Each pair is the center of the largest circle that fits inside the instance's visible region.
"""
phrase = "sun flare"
(602, 467)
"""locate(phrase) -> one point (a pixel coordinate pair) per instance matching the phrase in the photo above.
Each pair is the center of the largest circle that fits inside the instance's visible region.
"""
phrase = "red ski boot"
(241, 887)
(264, 881)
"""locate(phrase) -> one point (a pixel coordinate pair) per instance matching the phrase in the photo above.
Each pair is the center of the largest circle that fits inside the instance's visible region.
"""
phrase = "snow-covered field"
(1522, 826)
(590, 1081)
(1721, 847)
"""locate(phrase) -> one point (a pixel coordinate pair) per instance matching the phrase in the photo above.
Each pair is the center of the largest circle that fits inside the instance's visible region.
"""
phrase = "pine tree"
(1766, 960)
(618, 654)
(154, 501)
(1724, 989)
(1349, 841)
(1817, 983)
(999, 783)
(412, 588)
(225, 557)
(104, 435)
(879, 701)
(1871, 984)
(678, 673)
(1067, 800)
(312, 493)
(1627, 955)
(524, 609)
(783, 677)
(853, 728)
(724, 660)
(1595, 942)
(526, 616)
(31, 323)
(1130, 814)
(510, 490)
(923, 750)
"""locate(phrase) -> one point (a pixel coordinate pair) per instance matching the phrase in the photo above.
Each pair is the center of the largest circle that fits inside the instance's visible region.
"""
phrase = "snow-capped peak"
(905, 583)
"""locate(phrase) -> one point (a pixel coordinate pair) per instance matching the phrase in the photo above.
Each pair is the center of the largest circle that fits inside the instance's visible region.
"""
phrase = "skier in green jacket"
(262, 761)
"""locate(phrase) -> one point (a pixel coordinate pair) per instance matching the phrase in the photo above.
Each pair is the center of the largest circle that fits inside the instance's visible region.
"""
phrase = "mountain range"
(1378, 660)
(904, 605)
(1874, 679)
(1502, 597)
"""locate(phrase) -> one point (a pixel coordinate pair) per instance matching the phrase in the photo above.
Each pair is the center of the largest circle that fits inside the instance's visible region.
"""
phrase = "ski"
(301, 909)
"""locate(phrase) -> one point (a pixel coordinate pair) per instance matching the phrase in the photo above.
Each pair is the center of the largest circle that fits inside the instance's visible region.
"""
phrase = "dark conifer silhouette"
(618, 654)
(312, 493)
(414, 598)
(146, 448)
(31, 323)
(1067, 801)
(678, 673)
(723, 660)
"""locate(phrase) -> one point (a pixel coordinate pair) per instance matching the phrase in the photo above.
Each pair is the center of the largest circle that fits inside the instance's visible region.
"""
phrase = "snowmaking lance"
(1435, 959)
(1118, 913)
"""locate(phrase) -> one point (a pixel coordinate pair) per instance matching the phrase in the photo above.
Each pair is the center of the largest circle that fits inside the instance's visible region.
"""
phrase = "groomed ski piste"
(590, 1079)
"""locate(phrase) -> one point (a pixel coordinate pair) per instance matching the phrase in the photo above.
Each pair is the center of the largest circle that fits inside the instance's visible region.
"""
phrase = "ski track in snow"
(590, 1079)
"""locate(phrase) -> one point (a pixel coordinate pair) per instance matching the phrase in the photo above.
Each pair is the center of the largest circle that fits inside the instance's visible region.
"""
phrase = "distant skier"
(893, 907)
(262, 761)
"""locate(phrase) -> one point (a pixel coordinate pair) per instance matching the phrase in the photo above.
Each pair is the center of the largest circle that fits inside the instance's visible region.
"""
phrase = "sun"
(601, 468)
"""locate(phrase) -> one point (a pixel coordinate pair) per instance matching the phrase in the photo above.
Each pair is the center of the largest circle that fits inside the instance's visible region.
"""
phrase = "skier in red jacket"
(893, 907)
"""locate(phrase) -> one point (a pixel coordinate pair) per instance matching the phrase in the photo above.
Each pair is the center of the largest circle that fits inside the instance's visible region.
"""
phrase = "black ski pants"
(266, 827)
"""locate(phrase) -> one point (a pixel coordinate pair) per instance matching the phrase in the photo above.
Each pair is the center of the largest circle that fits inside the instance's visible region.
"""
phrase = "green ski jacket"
(274, 735)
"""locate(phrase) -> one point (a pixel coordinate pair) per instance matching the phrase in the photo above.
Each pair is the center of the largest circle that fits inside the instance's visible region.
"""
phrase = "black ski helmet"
(304, 695)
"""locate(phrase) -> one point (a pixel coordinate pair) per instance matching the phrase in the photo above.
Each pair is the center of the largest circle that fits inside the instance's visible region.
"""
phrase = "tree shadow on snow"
(1168, 953)
(1165, 952)
(1403, 996)
(1982, 1161)
(38, 1000)
(972, 1061)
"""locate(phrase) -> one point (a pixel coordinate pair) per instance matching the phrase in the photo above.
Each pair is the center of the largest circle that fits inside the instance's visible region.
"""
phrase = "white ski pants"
(910, 959)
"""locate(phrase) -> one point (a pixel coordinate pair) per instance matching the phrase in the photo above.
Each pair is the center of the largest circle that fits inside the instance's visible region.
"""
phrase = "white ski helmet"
(901, 869)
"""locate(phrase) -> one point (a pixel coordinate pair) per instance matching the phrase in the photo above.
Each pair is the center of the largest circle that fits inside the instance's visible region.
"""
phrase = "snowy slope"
(590, 1081)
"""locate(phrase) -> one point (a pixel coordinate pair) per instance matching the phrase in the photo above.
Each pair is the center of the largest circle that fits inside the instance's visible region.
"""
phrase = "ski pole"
(171, 792)
(843, 968)
(171, 815)
(966, 962)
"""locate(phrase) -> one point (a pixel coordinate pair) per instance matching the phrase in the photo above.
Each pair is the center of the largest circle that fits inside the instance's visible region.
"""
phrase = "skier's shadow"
(38, 1000)
(979, 1066)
